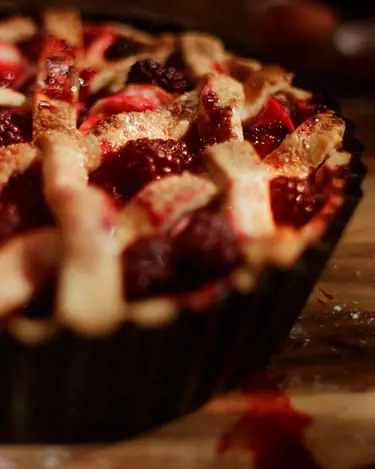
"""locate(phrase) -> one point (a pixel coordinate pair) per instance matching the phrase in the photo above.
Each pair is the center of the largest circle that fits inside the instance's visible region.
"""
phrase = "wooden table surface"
(322, 409)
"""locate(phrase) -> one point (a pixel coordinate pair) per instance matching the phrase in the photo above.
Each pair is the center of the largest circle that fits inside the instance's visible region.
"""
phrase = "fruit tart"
(165, 208)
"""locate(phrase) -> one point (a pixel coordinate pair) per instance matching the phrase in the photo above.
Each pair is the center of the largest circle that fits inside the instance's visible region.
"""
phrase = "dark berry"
(122, 48)
(22, 205)
(14, 128)
(295, 201)
(149, 267)
(42, 305)
(207, 248)
(215, 126)
(265, 137)
(303, 111)
(139, 163)
(165, 76)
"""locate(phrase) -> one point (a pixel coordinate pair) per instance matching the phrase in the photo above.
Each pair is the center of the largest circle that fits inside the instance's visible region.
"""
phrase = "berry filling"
(303, 111)
(205, 250)
(140, 162)
(214, 126)
(14, 128)
(22, 204)
(12, 65)
(295, 201)
(97, 39)
(270, 128)
(136, 98)
(122, 48)
(266, 137)
(300, 110)
(133, 98)
(208, 247)
(150, 267)
(165, 76)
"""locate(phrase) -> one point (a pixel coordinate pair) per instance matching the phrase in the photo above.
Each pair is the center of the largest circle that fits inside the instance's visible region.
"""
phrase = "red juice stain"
(270, 429)
(327, 295)
(321, 302)
(269, 129)
(218, 68)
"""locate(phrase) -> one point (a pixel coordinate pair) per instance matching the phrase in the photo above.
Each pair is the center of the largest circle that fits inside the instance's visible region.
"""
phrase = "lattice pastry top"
(143, 173)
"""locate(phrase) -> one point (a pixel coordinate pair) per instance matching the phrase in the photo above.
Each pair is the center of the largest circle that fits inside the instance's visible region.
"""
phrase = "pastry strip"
(89, 297)
(26, 263)
(57, 82)
(16, 29)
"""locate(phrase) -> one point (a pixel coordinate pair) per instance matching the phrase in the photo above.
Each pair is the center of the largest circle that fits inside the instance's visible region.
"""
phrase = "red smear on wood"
(270, 429)
(327, 295)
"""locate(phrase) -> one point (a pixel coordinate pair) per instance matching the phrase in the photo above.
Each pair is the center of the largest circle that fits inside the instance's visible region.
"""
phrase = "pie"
(143, 174)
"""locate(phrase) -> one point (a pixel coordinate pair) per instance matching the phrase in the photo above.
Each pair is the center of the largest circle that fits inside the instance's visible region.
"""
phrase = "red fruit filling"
(58, 82)
(136, 98)
(274, 111)
(266, 137)
(150, 267)
(295, 201)
(122, 48)
(213, 127)
(165, 76)
(97, 39)
(12, 65)
(205, 250)
(22, 205)
(303, 111)
(270, 128)
(14, 128)
(140, 162)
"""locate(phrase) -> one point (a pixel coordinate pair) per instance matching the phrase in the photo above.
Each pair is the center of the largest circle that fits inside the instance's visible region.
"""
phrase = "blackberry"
(13, 128)
(165, 76)
(139, 163)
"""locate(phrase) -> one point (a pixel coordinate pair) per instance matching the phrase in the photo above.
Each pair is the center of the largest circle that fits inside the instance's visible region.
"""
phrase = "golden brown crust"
(11, 98)
(202, 54)
(161, 204)
(58, 113)
(64, 23)
(27, 262)
(16, 29)
(15, 159)
(261, 85)
(308, 146)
